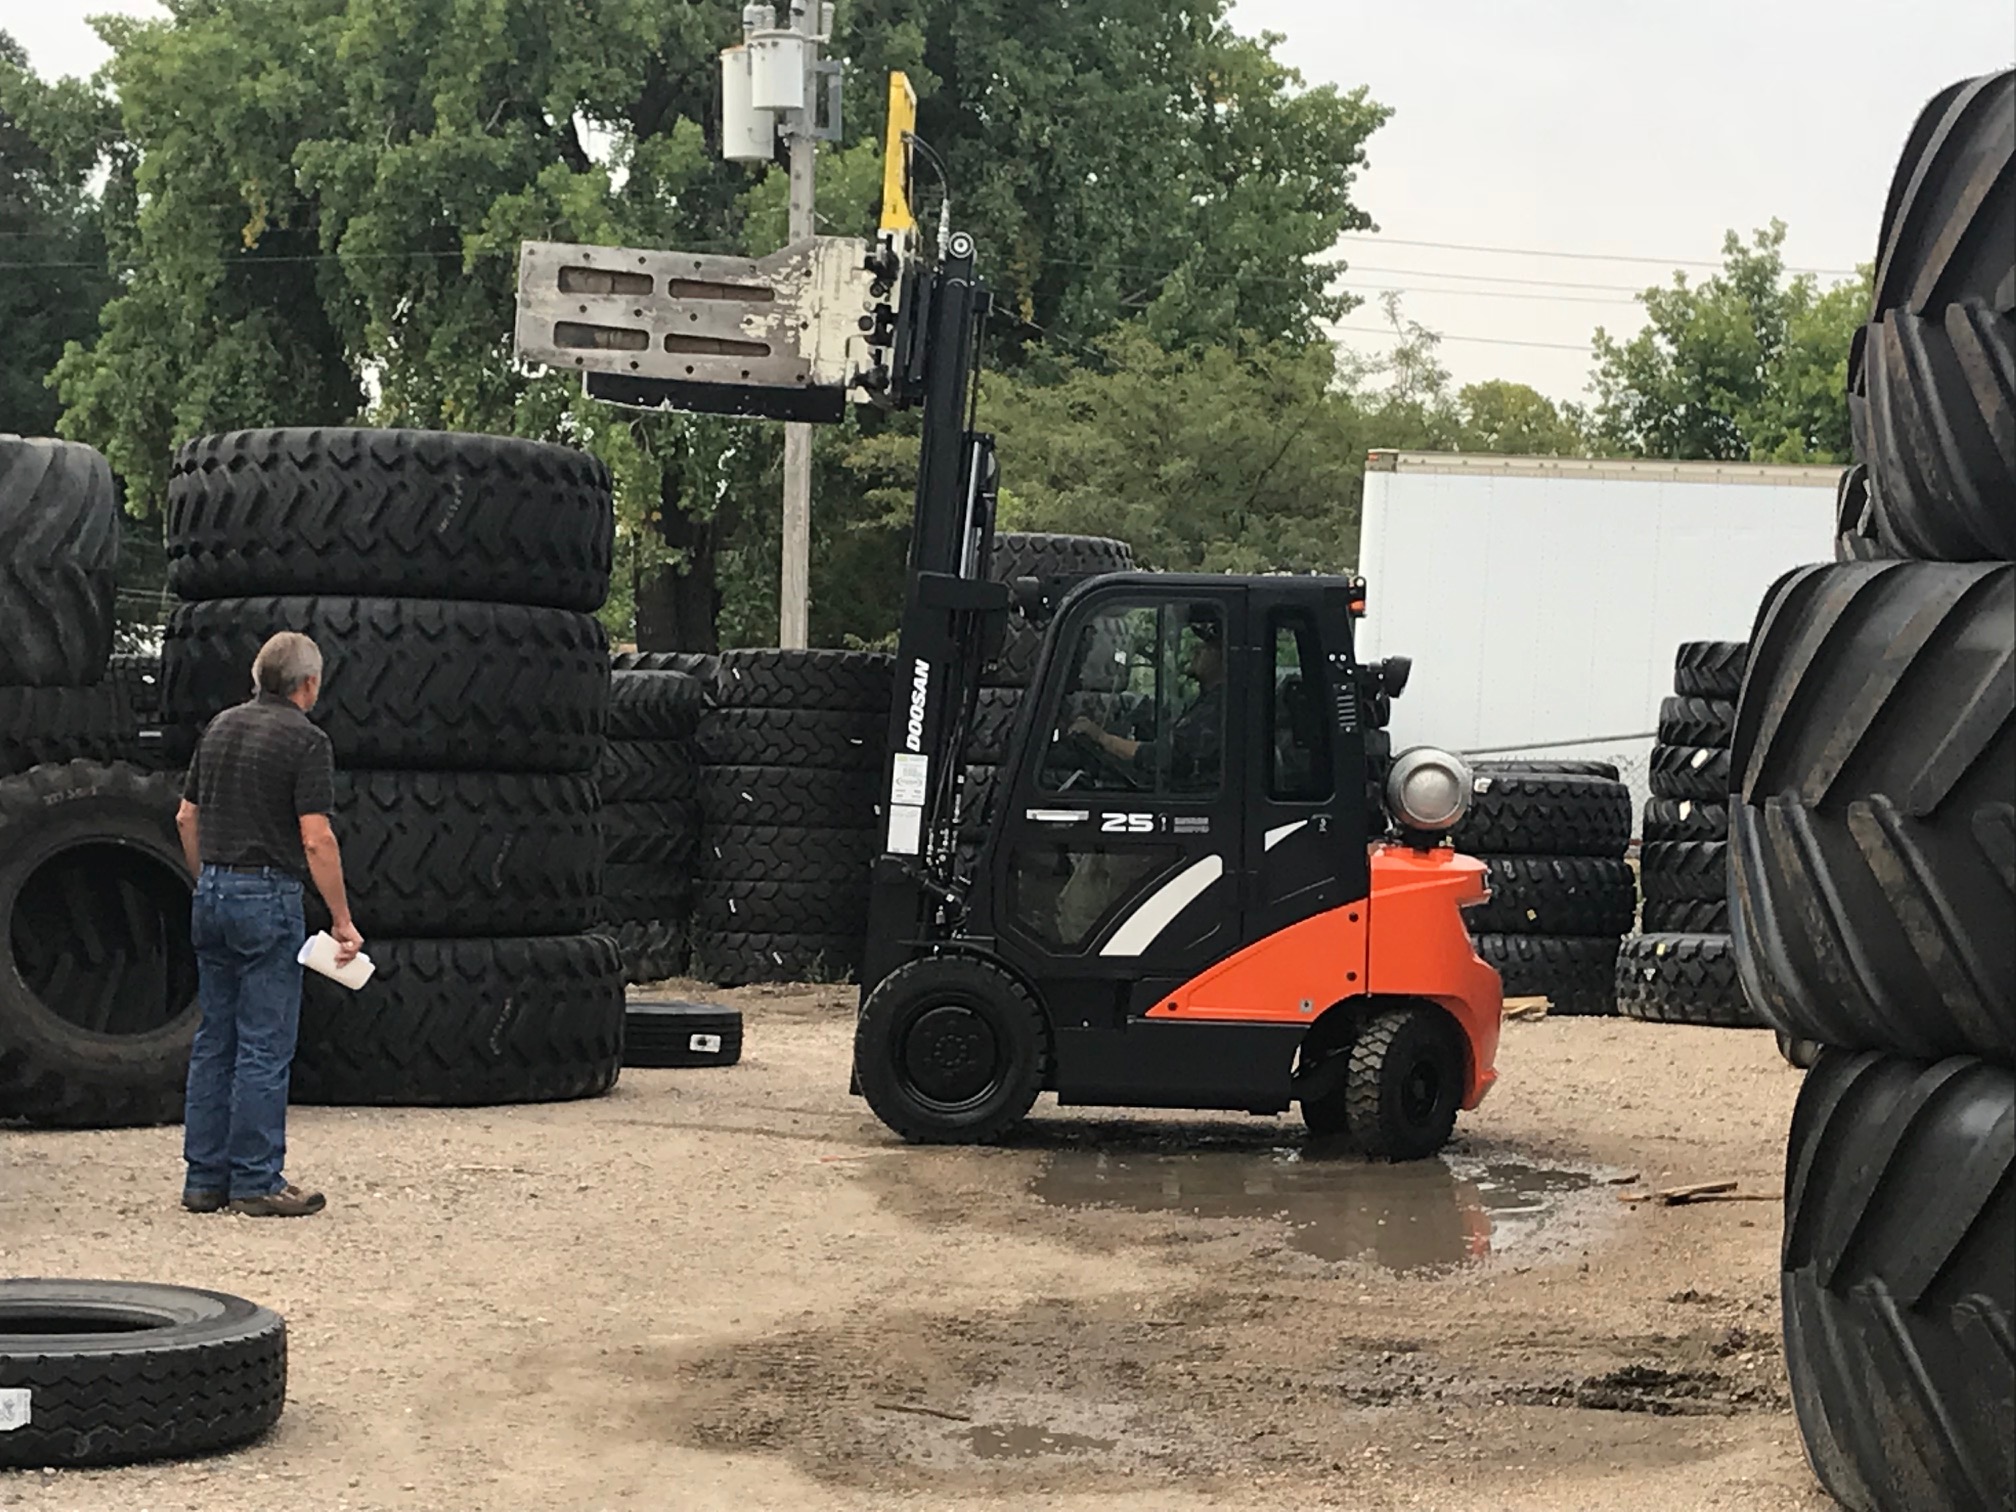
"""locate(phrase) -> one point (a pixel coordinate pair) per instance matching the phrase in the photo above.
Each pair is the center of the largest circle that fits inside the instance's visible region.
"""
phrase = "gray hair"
(284, 663)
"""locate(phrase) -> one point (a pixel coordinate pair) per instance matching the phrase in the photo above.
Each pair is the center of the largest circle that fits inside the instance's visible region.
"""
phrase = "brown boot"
(289, 1202)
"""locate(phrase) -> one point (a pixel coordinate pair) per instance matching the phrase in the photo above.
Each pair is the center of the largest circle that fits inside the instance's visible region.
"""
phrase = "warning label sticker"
(13, 1408)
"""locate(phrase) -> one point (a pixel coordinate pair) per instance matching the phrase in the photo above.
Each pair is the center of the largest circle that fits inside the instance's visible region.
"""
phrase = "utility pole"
(776, 82)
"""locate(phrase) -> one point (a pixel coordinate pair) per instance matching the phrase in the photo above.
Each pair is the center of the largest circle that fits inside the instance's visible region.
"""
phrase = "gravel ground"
(733, 1289)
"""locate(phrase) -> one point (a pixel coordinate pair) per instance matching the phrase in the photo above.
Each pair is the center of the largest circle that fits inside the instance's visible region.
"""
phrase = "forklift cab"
(1175, 789)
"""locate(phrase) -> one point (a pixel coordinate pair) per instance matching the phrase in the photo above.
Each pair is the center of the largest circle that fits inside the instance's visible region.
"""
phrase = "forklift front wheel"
(1405, 1083)
(950, 1050)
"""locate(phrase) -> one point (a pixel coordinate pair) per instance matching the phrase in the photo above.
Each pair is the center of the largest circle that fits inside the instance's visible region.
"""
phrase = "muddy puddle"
(1426, 1215)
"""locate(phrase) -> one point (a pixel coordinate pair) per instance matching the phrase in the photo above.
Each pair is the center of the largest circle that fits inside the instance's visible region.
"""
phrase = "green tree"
(331, 194)
(53, 274)
(1746, 365)
(1205, 459)
(1514, 419)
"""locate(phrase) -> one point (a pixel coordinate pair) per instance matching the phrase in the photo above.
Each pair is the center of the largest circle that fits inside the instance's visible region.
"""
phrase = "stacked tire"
(1003, 683)
(97, 976)
(1554, 836)
(790, 820)
(448, 580)
(1681, 969)
(649, 778)
(59, 552)
(1873, 859)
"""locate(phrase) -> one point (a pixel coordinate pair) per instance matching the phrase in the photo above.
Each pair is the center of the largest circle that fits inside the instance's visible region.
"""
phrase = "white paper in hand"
(318, 953)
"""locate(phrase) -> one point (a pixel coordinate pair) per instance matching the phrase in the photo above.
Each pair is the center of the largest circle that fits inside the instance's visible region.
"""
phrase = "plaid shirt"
(258, 769)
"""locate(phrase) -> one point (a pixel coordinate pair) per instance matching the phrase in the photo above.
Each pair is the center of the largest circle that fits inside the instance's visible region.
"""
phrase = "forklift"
(1204, 882)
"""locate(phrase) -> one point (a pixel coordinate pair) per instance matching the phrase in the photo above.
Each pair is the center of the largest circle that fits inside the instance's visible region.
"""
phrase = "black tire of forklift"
(1405, 1085)
(934, 1021)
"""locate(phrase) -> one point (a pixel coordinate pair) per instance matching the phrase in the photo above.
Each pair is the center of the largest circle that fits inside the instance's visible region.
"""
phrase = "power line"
(1550, 346)
(1668, 262)
(1611, 300)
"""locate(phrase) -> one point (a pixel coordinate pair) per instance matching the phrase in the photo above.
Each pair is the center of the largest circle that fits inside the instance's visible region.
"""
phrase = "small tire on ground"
(1709, 669)
(97, 973)
(671, 1032)
(951, 1050)
(116, 1372)
(1405, 1083)
(1898, 1280)
(1683, 979)
(1576, 974)
(466, 1023)
(59, 553)
(397, 513)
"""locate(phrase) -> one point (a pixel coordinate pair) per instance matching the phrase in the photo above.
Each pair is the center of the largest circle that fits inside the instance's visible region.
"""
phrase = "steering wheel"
(1094, 760)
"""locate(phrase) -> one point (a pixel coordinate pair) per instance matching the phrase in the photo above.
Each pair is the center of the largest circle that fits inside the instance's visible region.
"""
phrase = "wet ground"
(1414, 1218)
(733, 1290)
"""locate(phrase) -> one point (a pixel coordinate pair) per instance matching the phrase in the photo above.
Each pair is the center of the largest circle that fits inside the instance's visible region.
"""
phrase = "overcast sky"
(1623, 129)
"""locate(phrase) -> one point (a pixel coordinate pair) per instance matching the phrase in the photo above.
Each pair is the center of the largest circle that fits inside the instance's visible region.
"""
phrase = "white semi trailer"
(1542, 597)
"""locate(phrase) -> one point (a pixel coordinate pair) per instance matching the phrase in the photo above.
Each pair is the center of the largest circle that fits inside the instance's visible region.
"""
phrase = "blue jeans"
(247, 930)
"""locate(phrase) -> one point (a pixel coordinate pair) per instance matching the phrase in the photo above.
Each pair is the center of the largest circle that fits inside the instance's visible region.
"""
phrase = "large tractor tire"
(427, 684)
(466, 1023)
(389, 513)
(97, 973)
(1873, 849)
(1899, 1280)
(59, 551)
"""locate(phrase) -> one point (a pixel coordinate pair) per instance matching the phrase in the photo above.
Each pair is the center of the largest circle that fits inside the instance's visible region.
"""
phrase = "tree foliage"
(53, 273)
(331, 193)
(1746, 365)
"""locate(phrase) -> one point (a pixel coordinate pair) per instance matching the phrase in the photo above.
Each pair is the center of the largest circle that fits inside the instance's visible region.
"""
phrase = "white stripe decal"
(1282, 831)
(1141, 927)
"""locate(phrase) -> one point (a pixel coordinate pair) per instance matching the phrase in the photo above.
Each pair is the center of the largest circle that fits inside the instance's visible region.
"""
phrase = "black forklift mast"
(954, 615)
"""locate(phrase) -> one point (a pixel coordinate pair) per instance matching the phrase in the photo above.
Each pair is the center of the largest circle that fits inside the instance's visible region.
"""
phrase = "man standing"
(255, 826)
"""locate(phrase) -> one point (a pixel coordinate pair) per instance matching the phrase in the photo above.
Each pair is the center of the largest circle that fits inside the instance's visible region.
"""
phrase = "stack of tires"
(790, 819)
(1021, 554)
(649, 778)
(59, 550)
(1873, 860)
(1554, 835)
(1682, 969)
(448, 580)
(97, 976)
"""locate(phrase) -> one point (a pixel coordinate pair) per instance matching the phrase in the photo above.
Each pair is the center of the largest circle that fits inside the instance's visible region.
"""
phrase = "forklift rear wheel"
(950, 1050)
(1405, 1083)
